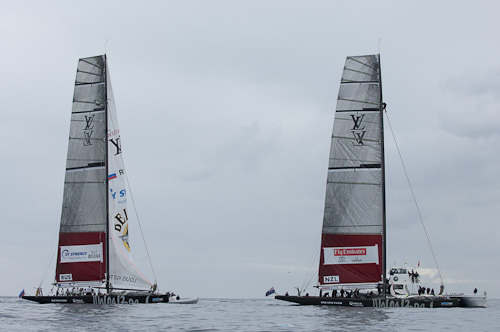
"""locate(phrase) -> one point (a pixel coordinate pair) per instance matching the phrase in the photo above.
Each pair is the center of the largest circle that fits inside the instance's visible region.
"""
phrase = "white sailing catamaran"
(94, 260)
(353, 244)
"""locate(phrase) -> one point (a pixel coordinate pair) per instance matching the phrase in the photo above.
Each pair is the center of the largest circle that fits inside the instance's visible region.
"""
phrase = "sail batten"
(358, 82)
(357, 101)
(351, 245)
(358, 72)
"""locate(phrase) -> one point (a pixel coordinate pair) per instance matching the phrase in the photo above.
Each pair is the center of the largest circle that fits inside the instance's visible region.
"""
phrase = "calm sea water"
(240, 315)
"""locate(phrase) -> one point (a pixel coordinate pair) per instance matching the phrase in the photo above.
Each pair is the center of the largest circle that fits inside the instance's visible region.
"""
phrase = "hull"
(377, 302)
(100, 299)
(184, 301)
(471, 301)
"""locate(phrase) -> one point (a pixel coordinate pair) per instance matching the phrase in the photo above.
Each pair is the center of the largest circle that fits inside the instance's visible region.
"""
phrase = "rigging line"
(393, 209)
(313, 261)
(415, 201)
(50, 258)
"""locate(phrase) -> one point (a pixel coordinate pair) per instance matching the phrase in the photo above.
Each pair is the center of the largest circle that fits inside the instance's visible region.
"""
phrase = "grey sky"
(226, 110)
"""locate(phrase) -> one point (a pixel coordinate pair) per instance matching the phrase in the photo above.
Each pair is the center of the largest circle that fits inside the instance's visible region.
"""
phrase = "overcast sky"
(226, 110)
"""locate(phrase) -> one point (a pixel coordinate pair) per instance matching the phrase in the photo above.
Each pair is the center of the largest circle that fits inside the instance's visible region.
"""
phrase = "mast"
(107, 171)
(382, 162)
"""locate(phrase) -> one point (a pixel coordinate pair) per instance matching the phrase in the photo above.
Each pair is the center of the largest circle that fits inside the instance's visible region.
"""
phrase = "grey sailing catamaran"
(94, 260)
(353, 244)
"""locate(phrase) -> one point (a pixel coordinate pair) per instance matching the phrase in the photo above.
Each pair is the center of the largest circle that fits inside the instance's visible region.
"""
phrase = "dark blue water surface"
(240, 315)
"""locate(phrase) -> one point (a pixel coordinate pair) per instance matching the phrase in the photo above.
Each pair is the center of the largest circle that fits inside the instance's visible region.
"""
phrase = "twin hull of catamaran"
(94, 248)
(353, 243)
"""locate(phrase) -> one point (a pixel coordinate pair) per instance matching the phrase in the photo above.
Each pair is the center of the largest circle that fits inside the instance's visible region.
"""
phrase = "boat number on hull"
(116, 300)
(381, 303)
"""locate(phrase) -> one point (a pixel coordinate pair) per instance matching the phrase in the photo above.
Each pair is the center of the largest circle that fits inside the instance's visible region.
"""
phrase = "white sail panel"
(122, 271)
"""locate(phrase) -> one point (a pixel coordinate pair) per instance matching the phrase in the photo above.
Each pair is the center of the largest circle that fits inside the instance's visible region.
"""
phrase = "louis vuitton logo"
(88, 135)
(359, 137)
(88, 130)
(88, 122)
(357, 131)
(357, 121)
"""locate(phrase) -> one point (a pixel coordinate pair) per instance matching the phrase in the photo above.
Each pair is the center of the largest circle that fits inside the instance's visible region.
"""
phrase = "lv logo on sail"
(356, 130)
(88, 130)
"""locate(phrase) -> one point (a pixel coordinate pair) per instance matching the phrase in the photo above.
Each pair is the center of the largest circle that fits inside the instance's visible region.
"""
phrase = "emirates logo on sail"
(350, 252)
(357, 131)
(351, 255)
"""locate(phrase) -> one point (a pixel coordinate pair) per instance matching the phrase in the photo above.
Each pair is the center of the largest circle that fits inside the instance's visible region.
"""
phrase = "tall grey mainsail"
(354, 203)
(82, 234)
(84, 208)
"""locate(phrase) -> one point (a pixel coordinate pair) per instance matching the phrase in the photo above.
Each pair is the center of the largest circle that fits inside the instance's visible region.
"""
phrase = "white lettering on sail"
(351, 255)
(331, 279)
(66, 277)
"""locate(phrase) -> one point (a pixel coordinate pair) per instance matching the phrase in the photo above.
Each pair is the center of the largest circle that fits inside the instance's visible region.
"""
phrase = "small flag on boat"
(22, 293)
(271, 291)
(112, 176)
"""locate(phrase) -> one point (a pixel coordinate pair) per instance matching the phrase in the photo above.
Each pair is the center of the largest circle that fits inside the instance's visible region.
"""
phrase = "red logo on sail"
(350, 252)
